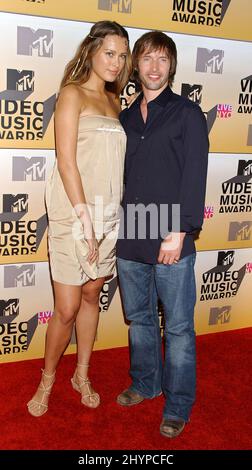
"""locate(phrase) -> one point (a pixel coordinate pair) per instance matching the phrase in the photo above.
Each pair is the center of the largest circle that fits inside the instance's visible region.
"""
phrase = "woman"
(83, 196)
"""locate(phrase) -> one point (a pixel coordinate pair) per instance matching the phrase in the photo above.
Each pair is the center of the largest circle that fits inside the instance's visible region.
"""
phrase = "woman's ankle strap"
(49, 376)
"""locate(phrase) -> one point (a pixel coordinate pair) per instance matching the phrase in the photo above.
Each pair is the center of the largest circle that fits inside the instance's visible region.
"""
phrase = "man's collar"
(160, 100)
(163, 97)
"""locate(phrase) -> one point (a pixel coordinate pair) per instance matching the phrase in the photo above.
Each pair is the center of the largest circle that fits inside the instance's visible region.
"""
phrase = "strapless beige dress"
(101, 146)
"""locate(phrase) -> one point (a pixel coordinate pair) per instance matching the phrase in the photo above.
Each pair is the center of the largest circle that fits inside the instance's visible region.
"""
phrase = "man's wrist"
(181, 235)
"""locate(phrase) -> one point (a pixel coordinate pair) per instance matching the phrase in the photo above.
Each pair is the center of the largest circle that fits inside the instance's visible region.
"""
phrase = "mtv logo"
(239, 231)
(25, 168)
(22, 80)
(15, 203)
(31, 42)
(244, 167)
(225, 258)
(219, 315)
(193, 92)
(19, 276)
(209, 60)
(9, 307)
(249, 140)
(122, 6)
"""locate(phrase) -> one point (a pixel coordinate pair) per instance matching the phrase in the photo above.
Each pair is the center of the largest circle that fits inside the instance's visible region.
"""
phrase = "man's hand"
(171, 247)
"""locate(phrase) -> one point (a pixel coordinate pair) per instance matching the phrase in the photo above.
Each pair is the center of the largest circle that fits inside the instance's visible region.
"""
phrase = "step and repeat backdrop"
(38, 38)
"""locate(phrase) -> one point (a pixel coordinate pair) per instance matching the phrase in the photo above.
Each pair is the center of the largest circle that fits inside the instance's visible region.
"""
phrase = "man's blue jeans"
(141, 284)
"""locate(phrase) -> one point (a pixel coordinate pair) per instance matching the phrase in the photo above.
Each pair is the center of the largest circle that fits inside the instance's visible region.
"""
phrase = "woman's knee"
(91, 293)
(67, 313)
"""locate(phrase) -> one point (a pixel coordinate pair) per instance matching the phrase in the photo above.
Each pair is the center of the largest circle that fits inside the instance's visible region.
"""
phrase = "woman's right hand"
(89, 235)
(88, 231)
(93, 248)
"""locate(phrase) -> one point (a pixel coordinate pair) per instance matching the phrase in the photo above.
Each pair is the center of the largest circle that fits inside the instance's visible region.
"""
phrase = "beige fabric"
(100, 159)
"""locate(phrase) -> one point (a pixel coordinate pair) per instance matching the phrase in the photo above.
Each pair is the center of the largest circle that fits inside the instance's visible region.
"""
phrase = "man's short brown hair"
(154, 41)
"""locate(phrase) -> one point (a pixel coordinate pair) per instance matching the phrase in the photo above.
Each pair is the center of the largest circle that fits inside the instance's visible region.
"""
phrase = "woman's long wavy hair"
(78, 70)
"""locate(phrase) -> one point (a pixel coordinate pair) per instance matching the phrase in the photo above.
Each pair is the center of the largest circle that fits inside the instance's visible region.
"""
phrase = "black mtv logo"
(244, 168)
(219, 315)
(31, 42)
(193, 92)
(9, 307)
(20, 80)
(122, 6)
(209, 60)
(32, 168)
(19, 276)
(225, 258)
(15, 203)
(239, 230)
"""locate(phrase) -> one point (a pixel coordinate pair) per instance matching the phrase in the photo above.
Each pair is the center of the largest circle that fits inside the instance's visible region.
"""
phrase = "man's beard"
(156, 85)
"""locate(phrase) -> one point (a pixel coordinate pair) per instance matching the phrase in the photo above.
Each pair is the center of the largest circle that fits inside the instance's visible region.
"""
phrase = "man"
(166, 167)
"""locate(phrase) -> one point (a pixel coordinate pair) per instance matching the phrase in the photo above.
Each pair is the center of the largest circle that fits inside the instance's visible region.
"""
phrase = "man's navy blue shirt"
(165, 163)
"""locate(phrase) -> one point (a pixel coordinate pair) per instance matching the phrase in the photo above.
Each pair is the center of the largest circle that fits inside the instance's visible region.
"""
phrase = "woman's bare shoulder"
(70, 91)
(70, 97)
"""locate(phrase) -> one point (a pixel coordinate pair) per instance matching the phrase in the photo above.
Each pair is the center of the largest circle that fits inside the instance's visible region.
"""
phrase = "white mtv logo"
(228, 259)
(25, 83)
(36, 171)
(195, 95)
(209, 59)
(248, 170)
(42, 47)
(20, 205)
(219, 315)
(215, 63)
(19, 276)
(122, 6)
(25, 278)
(11, 309)
(38, 42)
(244, 232)
(28, 168)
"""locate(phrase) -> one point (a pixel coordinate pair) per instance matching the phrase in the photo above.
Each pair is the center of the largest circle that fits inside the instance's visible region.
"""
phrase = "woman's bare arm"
(66, 130)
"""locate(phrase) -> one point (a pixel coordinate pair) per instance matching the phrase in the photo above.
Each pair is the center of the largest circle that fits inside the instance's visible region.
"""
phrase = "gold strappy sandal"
(38, 408)
(89, 398)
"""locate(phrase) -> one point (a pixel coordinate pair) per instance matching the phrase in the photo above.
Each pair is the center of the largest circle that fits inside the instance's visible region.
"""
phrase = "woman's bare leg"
(86, 328)
(67, 304)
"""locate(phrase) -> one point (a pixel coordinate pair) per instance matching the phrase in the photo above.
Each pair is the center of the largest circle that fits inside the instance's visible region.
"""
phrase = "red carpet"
(221, 418)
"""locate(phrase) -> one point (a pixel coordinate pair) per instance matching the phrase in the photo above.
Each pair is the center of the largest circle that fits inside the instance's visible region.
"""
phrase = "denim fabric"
(141, 284)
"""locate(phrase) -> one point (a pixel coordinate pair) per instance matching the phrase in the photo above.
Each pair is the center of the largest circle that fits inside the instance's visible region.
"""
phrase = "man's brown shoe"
(171, 427)
(129, 398)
